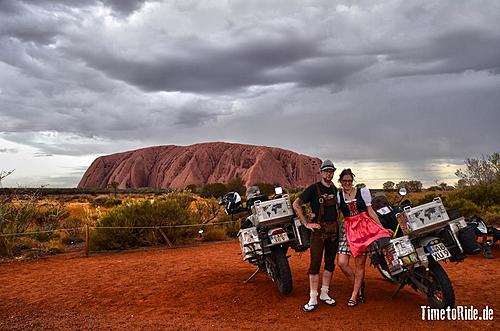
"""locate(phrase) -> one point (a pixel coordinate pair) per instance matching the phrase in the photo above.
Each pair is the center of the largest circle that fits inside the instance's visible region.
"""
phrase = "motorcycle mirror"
(278, 190)
(402, 191)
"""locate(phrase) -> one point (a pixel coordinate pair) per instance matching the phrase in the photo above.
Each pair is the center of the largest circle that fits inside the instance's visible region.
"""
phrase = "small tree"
(387, 186)
(114, 185)
(360, 185)
(481, 171)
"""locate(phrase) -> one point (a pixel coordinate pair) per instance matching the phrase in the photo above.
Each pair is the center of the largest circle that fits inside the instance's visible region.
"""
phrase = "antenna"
(4, 174)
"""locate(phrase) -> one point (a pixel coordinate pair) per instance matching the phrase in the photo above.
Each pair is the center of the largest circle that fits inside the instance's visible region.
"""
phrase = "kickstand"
(403, 281)
(252, 275)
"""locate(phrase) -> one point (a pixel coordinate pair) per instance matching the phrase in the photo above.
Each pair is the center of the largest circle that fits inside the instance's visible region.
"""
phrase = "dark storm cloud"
(363, 80)
(456, 51)
(207, 67)
(124, 7)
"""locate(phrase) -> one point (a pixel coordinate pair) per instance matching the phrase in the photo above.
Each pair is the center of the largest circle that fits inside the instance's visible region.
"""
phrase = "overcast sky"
(395, 90)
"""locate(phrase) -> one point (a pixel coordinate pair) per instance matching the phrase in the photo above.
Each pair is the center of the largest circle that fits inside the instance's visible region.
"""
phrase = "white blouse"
(365, 194)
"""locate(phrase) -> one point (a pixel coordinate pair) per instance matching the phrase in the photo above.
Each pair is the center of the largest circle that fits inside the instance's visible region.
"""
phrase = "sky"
(395, 90)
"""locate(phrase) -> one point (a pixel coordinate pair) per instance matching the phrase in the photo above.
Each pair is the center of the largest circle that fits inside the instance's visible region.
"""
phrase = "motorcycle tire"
(280, 268)
(441, 293)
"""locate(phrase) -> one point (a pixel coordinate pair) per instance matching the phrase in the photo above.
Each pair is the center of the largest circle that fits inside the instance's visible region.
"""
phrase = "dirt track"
(202, 288)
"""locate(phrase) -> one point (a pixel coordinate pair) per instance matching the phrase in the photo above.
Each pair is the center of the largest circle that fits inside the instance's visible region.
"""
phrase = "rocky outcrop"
(179, 166)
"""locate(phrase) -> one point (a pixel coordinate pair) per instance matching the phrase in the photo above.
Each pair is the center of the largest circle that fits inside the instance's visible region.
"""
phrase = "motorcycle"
(423, 236)
(267, 233)
(481, 230)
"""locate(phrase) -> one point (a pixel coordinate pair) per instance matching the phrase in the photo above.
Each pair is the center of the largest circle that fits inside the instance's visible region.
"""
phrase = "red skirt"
(361, 230)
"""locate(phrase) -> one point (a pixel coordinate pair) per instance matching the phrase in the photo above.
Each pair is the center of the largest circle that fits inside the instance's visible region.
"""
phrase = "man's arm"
(297, 206)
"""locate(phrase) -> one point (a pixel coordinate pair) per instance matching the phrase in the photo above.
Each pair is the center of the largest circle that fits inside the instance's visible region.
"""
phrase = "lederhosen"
(324, 239)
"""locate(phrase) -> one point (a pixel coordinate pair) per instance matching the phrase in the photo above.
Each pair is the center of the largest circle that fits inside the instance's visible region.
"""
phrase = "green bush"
(465, 207)
(144, 213)
(483, 200)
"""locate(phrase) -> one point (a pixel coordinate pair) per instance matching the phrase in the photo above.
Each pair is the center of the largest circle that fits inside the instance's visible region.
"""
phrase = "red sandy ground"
(202, 288)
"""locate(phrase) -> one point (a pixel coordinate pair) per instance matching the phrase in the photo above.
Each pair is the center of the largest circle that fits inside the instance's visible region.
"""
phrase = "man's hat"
(327, 165)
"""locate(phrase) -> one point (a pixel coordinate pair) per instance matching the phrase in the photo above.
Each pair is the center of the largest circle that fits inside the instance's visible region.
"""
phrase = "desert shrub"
(145, 213)
(214, 233)
(55, 246)
(232, 229)
(465, 207)
(266, 189)
(106, 201)
(215, 190)
(428, 197)
(183, 199)
(16, 216)
(492, 218)
(483, 200)
(204, 210)
(236, 185)
(484, 195)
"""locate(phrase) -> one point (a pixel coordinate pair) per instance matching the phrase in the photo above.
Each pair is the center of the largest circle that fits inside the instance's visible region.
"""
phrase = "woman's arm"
(373, 215)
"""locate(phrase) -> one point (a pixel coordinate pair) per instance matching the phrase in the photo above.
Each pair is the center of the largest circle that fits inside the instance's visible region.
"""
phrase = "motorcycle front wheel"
(441, 293)
(280, 269)
(385, 274)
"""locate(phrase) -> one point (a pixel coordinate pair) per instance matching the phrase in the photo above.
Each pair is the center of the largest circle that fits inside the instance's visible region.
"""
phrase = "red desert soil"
(202, 288)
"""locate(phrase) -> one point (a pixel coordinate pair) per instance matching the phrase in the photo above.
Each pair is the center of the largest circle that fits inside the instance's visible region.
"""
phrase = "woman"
(360, 229)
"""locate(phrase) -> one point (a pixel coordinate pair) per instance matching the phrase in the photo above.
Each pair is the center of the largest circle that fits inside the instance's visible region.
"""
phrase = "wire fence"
(88, 228)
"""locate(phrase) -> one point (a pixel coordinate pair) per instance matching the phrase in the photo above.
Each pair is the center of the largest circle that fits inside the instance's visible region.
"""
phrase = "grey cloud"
(207, 68)
(453, 52)
(9, 150)
(342, 87)
(124, 7)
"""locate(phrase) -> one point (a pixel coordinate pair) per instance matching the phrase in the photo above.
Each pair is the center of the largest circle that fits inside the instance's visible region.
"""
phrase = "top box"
(423, 218)
(273, 211)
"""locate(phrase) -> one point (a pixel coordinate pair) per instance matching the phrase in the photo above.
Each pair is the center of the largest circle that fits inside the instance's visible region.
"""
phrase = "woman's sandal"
(361, 294)
(351, 303)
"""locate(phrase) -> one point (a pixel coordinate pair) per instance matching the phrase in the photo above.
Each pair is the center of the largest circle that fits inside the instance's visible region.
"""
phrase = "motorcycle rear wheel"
(441, 293)
(280, 269)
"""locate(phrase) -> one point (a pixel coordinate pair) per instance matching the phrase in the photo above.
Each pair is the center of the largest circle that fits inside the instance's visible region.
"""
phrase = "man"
(322, 196)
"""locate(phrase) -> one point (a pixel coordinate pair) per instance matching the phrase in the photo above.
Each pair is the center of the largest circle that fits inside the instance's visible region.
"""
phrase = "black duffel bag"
(467, 239)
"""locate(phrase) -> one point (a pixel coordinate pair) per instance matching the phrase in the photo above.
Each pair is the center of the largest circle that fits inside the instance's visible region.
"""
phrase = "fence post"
(87, 240)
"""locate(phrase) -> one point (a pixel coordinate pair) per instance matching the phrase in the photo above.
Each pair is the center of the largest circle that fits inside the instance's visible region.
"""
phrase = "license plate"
(439, 251)
(278, 238)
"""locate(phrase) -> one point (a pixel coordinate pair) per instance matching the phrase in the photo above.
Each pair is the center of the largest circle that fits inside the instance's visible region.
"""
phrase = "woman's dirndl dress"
(359, 230)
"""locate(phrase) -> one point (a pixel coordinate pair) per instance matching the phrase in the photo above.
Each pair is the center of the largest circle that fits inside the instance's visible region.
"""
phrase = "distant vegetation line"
(73, 191)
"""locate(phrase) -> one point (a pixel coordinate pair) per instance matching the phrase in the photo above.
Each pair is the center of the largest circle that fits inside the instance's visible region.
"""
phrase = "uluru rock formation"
(200, 164)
